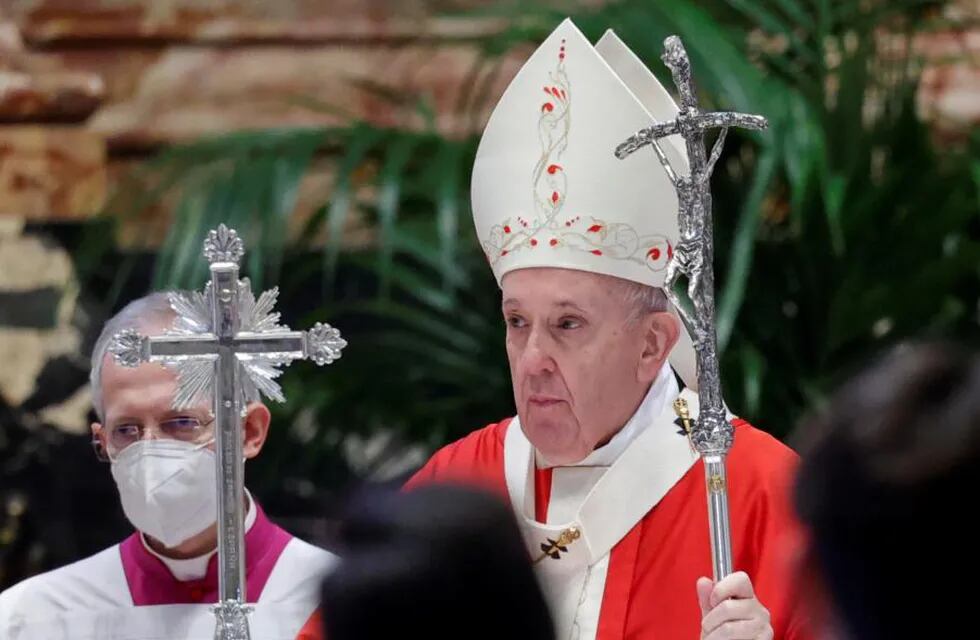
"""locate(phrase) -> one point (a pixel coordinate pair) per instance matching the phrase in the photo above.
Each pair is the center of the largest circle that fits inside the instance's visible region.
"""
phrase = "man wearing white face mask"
(161, 581)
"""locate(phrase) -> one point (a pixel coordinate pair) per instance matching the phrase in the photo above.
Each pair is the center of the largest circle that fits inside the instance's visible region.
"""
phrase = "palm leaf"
(740, 261)
(361, 139)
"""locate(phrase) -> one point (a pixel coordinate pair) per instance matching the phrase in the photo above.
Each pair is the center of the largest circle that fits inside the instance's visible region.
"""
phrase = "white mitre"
(547, 190)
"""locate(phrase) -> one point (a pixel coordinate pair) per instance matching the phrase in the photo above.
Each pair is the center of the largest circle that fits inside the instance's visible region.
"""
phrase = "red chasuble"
(649, 591)
(313, 629)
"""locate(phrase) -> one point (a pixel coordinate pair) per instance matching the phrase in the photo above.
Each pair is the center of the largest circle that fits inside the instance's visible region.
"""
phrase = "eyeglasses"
(183, 428)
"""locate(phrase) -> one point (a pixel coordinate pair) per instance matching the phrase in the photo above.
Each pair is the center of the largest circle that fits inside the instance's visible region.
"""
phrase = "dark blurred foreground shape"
(439, 562)
(887, 488)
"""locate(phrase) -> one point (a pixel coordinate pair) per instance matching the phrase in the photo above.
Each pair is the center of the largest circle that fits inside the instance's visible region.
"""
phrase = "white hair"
(148, 313)
(641, 299)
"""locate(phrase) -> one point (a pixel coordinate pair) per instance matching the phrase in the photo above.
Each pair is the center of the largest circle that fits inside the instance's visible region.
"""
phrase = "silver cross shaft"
(693, 257)
(228, 347)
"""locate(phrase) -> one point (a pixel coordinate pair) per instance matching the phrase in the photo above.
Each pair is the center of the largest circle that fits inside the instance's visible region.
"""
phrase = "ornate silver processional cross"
(227, 347)
(712, 434)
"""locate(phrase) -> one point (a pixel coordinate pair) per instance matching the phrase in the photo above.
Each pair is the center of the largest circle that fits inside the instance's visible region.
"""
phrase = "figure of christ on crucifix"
(713, 434)
(694, 249)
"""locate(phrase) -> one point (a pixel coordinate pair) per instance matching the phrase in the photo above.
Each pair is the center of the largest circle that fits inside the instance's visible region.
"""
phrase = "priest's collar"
(196, 568)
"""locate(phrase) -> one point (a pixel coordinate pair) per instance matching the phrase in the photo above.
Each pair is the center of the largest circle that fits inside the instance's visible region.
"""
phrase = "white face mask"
(167, 488)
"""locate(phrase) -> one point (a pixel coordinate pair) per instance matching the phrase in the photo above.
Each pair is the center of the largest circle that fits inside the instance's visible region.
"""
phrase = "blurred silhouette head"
(890, 474)
(437, 562)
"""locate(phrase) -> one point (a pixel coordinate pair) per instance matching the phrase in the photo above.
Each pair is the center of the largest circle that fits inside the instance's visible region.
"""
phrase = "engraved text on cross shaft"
(227, 348)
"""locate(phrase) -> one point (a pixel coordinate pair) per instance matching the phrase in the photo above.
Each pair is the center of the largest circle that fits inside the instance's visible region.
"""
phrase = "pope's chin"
(552, 429)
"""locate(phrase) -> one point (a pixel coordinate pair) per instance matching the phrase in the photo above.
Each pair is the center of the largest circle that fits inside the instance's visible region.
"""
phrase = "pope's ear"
(661, 331)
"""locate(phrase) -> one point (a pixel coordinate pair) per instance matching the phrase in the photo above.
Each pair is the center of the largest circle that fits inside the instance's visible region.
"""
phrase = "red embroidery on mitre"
(613, 240)
(659, 253)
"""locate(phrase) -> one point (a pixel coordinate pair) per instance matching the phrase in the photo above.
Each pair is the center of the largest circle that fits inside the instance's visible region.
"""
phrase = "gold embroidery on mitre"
(554, 548)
